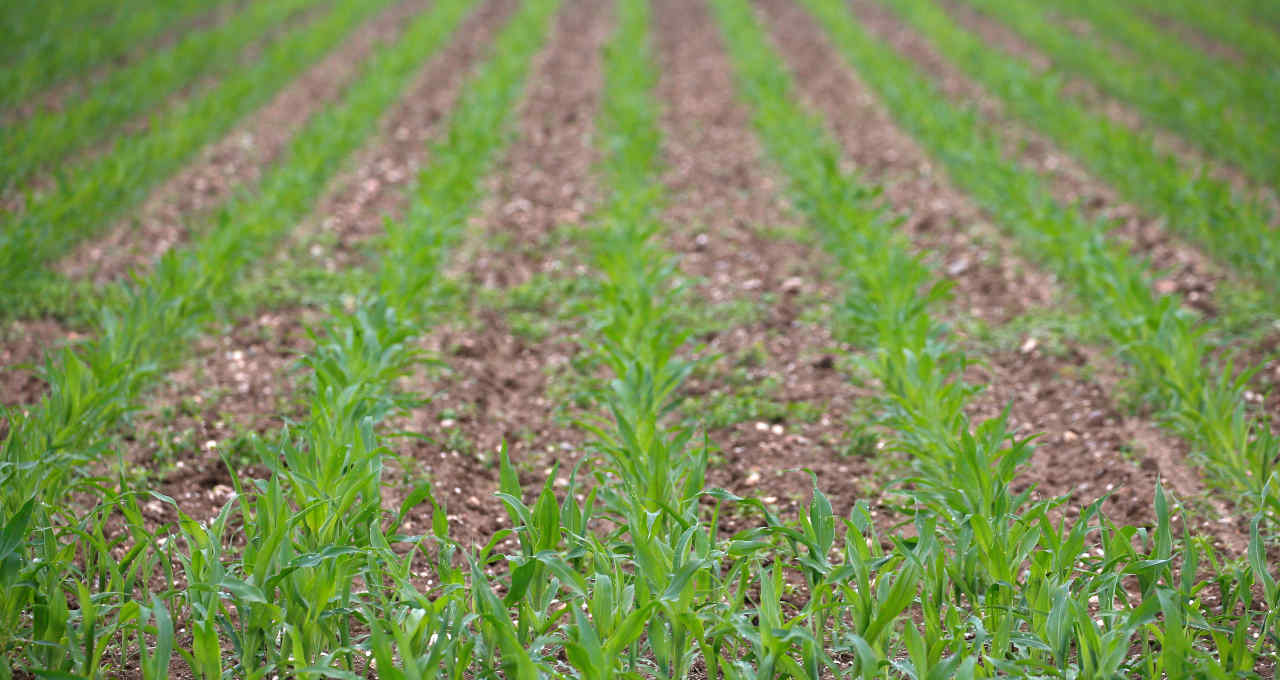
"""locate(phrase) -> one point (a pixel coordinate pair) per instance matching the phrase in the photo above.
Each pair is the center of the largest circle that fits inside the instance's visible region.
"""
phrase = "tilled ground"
(738, 244)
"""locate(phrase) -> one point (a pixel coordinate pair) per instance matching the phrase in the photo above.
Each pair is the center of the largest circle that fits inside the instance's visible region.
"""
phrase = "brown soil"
(1089, 448)
(169, 216)
(1069, 401)
(1191, 273)
(245, 381)
(994, 33)
(544, 181)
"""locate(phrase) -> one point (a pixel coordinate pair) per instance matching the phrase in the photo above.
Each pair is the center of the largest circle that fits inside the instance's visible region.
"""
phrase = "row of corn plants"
(1000, 587)
(316, 560)
(45, 43)
(632, 595)
(1265, 13)
(1261, 48)
(87, 198)
(308, 574)
(1215, 82)
(1201, 400)
(1234, 229)
(144, 325)
(1213, 126)
(40, 141)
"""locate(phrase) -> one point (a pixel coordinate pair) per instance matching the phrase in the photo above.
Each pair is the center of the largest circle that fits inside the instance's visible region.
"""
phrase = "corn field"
(598, 339)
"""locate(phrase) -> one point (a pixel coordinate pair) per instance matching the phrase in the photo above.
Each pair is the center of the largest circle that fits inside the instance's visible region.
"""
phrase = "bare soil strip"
(496, 386)
(990, 283)
(995, 33)
(168, 216)
(545, 179)
(24, 343)
(1049, 394)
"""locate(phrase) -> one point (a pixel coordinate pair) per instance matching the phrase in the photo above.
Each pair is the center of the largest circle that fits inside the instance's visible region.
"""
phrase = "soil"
(25, 344)
(544, 181)
(175, 210)
(375, 185)
(990, 284)
(246, 381)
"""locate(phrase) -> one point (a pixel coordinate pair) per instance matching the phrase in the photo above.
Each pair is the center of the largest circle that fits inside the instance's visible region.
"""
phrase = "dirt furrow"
(171, 213)
(723, 199)
(545, 180)
(1053, 394)
(23, 345)
(994, 33)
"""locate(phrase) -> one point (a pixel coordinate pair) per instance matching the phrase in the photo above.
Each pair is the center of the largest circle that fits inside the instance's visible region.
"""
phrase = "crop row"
(1197, 114)
(1260, 48)
(1163, 343)
(1217, 84)
(88, 197)
(42, 140)
(44, 43)
(1201, 208)
(141, 331)
(964, 470)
